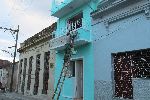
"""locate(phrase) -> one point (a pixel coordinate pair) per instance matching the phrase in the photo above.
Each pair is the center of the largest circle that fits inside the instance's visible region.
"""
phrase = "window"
(46, 72)
(75, 22)
(72, 69)
(24, 75)
(128, 65)
(37, 72)
(20, 70)
(21, 61)
(29, 72)
(1, 73)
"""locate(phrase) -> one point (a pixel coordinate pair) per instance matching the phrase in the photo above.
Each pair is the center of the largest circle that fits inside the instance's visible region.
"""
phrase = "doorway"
(77, 72)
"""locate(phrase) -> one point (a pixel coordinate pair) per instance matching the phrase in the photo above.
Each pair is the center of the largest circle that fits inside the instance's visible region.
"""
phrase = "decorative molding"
(121, 27)
(147, 12)
(127, 13)
(106, 24)
(103, 7)
(138, 8)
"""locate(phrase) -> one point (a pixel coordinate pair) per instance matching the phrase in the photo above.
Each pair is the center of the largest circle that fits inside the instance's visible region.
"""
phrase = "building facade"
(15, 76)
(121, 49)
(74, 15)
(35, 75)
(3, 77)
(5, 74)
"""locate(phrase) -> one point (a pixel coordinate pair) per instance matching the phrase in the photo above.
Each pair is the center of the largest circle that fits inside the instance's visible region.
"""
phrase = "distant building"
(121, 40)
(5, 65)
(36, 63)
(6, 73)
(3, 78)
(15, 76)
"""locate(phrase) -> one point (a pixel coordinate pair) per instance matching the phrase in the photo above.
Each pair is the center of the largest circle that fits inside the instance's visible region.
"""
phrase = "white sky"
(31, 15)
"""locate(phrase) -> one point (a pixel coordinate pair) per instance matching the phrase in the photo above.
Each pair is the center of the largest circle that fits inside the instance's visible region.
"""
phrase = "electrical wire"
(120, 27)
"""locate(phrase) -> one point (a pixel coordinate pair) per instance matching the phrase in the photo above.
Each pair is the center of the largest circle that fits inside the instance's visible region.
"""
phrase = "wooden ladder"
(67, 57)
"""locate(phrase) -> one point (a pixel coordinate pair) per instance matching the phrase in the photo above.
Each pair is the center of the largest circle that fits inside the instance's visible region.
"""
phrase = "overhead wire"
(120, 27)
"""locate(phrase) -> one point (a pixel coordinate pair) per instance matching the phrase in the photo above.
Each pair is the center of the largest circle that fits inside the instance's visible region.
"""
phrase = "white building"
(36, 64)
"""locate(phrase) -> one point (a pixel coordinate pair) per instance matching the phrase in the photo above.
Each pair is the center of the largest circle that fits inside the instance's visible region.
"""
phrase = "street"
(16, 96)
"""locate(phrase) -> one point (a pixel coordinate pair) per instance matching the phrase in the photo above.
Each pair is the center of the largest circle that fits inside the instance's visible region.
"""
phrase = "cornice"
(32, 44)
(106, 5)
(45, 35)
(143, 6)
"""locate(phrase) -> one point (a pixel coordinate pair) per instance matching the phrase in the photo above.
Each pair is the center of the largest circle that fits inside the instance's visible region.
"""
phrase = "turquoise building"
(75, 15)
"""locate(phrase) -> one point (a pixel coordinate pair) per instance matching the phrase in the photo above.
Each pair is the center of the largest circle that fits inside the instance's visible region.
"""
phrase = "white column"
(50, 83)
(18, 75)
(51, 73)
(33, 74)
(40, 88)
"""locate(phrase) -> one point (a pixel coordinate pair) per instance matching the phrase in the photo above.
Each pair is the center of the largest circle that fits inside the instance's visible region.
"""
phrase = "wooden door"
(79, 80)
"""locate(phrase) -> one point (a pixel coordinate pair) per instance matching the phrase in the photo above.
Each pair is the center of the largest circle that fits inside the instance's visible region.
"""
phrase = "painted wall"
(83, 51)
(58, 4)
(127, 34)
(88, 79)
(86, 9)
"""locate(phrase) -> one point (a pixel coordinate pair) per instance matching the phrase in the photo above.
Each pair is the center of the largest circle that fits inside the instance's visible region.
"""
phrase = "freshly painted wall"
(83, 51)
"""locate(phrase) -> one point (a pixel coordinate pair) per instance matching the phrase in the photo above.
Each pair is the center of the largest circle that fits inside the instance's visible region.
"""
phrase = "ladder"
(67, 57)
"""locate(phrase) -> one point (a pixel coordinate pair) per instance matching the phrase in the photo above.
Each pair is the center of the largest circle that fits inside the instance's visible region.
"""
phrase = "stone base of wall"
(28, 93)
(103, 90)
(141, 89)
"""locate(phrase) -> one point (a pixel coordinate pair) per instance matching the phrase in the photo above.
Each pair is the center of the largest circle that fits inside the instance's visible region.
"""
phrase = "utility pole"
(15, 52)
(11, 84)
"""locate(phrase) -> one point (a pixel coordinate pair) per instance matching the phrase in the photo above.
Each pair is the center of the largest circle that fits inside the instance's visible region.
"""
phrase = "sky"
(31, 15)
